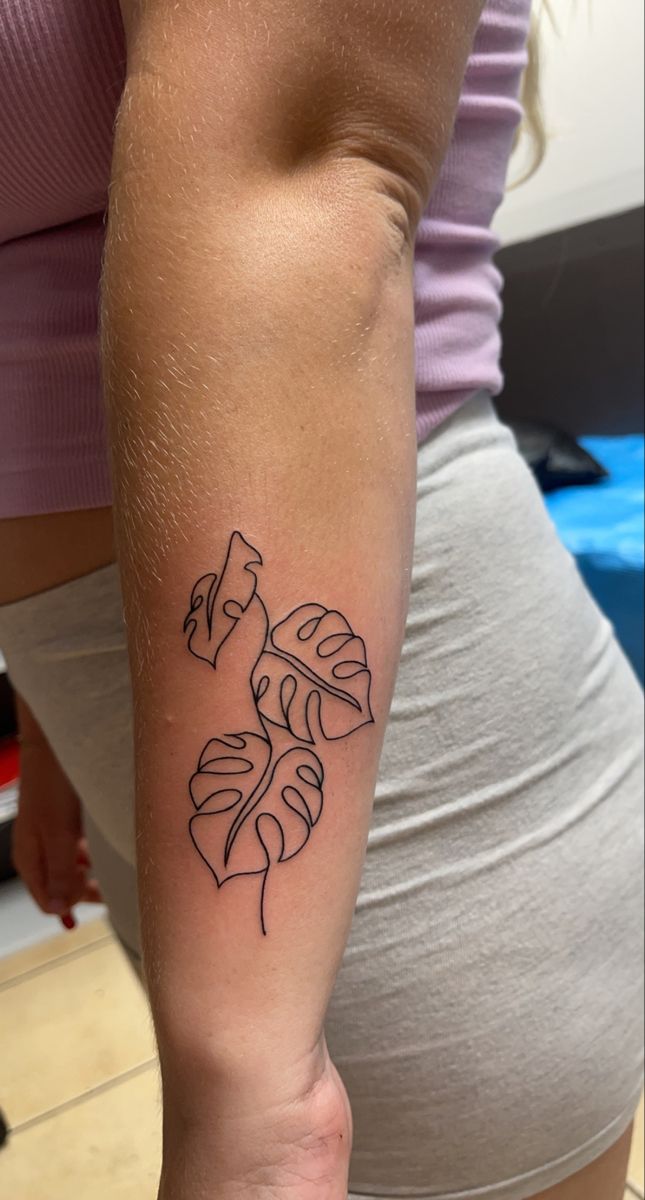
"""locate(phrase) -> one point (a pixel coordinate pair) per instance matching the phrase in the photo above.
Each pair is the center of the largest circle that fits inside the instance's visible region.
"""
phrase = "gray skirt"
(487, 1018)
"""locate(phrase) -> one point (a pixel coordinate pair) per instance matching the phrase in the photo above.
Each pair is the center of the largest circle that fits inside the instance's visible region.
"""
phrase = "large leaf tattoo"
(250, 818)
(315, 677)
(230, 769)
(258, 795)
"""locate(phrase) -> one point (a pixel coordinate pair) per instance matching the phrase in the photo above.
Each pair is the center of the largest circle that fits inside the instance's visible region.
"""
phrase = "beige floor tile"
(68, 1029)
(107, 1147)
(636, 1169)
(48, 951)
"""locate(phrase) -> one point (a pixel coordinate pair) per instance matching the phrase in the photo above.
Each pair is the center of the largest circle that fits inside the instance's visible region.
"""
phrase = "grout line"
(635, 1191)
(75, 1101)
(42, 968)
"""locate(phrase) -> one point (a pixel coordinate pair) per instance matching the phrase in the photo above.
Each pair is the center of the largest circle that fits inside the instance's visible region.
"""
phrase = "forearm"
(295, 427)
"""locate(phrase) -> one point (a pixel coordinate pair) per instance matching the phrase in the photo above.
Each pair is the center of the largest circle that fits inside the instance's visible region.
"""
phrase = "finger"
(92, 893)
(82, 890)
(64, 880)
(83, 855)
(30, 864)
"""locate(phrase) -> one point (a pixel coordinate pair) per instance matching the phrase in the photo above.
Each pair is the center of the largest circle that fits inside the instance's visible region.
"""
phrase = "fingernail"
(68, 921)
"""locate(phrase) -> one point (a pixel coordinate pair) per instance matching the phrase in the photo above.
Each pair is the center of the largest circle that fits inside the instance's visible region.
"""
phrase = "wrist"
(244, 1067)
(279, 1134)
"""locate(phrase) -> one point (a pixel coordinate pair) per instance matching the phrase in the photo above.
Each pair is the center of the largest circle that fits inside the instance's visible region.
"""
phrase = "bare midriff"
(44, 551)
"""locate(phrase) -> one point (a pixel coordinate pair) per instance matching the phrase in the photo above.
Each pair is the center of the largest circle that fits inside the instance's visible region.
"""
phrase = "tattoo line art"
(258, 794)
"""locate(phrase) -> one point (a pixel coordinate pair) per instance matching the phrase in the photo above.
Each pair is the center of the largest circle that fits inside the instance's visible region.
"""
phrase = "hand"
(300, 1151)
(49, 850)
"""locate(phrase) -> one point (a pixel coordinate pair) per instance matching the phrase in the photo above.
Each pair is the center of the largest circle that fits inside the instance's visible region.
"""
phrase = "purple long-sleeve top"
(61, 76)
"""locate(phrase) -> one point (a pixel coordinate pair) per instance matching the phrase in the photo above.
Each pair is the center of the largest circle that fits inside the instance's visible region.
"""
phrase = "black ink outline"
(294, 676)
(216, 585)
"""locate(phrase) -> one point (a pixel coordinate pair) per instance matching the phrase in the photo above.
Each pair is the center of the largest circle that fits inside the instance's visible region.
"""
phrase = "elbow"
(303, 92)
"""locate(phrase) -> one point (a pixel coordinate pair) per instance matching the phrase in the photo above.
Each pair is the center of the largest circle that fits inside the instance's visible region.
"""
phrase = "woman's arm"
(271, 162)
(48, 844)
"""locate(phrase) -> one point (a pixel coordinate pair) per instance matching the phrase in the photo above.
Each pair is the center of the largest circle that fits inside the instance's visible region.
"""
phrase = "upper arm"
(270, 85)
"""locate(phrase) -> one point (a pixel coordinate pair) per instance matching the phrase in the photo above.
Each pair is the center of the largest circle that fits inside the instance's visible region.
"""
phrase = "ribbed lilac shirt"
(61, 75)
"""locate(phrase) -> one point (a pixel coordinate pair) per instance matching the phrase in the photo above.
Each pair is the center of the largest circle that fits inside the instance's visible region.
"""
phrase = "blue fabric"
(603, 525)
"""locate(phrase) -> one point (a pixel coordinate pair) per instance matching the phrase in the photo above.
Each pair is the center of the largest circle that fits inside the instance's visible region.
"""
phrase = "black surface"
(555, 457)
(7, 710)
(573, 327)
(6, 866)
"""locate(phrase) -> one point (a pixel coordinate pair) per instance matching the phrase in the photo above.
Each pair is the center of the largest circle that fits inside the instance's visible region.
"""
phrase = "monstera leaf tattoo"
(218, 603)
(315, 675)
(258, 795)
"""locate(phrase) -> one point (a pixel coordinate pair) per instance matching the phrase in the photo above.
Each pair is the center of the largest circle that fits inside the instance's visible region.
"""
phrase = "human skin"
(271, 164)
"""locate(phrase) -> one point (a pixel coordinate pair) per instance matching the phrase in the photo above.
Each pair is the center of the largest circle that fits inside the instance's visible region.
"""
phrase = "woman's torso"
(47, 549)
(62, 71)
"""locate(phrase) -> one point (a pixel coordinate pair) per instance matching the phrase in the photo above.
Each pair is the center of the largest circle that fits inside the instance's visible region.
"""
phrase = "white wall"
(592, 86)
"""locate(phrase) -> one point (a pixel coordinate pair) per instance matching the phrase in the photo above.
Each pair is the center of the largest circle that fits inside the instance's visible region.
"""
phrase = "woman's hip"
(488, 1014)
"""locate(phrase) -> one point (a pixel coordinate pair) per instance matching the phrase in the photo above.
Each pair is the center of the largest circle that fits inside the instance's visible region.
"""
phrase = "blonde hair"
(533, 126)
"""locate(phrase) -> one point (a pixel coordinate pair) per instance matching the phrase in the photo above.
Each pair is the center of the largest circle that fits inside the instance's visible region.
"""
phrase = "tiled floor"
(78, 1081)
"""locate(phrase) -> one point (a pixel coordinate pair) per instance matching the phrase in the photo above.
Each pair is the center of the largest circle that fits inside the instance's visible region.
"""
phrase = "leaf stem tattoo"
(258, 793)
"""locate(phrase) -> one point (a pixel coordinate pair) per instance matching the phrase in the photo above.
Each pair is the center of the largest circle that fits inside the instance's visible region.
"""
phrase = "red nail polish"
(68, 921)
